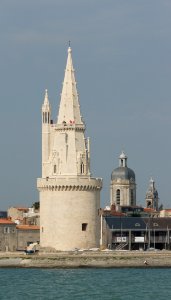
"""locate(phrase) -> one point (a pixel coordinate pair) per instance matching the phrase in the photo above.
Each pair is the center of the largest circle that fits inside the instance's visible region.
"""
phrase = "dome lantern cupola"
(123, 160)
(123, 172)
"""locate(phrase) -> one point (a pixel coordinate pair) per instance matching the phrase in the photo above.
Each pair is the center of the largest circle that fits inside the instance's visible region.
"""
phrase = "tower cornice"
(69, 183)
(70, 127)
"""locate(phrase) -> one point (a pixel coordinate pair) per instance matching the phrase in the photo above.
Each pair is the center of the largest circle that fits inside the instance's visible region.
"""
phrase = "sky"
(122, 58)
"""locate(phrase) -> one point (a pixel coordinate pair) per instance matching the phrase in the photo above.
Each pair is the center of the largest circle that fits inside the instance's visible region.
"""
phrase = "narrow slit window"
(45, 117)
(84, 226)
(118, 197)
(82, 168)
(132, 197)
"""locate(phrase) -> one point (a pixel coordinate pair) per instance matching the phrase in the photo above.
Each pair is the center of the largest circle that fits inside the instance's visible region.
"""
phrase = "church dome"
(123, 173)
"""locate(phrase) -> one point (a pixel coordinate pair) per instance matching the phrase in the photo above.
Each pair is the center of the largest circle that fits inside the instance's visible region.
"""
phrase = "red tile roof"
(149, 209)
(28, 227)
(6, 221)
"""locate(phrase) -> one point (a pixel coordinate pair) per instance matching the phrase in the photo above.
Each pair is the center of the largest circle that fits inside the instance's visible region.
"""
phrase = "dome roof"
(123, 173)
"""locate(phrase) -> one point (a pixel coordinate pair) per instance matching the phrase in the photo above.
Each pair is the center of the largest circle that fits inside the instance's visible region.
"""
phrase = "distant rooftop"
(28, 227)
(6, 221)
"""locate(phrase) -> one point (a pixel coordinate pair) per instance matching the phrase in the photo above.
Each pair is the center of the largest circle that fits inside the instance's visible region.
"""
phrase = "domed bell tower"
(123, 184)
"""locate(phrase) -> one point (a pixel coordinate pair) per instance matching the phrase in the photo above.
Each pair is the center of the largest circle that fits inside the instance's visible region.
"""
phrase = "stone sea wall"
(86, 259)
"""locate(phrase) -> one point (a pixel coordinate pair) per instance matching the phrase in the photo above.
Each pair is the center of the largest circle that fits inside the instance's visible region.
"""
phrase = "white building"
(69, 196)
(123, 184)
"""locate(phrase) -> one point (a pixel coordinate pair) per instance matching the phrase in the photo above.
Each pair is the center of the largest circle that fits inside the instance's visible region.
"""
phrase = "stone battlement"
(69, 184)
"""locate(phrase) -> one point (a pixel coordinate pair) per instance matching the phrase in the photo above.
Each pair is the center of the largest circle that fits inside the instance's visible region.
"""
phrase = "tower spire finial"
(46, 100)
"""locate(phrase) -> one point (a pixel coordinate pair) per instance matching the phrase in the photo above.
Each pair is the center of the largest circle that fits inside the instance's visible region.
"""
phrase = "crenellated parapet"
(72, 184)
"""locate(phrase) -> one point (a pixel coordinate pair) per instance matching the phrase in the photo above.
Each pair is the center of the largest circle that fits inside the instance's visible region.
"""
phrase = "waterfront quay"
(87, 259)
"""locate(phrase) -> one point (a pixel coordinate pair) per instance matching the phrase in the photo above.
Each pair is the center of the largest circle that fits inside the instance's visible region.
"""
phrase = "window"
(132, 197)
(82, 168)
(137, 224)
(28, 243)
(54, 169)
(118, 197)
(6, 230)
(84, 226)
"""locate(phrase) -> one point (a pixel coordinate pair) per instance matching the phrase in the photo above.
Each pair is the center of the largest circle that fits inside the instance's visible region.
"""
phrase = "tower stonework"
(69, 196)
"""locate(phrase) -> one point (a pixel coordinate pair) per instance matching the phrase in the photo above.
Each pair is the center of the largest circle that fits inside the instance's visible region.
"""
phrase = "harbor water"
(88, 283)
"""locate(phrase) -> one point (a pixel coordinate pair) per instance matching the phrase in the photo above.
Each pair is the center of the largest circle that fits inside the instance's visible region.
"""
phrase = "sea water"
(91, 283)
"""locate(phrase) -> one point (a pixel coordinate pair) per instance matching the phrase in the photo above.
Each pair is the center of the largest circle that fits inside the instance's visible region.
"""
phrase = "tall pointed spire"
(46, 100)
(69, 110)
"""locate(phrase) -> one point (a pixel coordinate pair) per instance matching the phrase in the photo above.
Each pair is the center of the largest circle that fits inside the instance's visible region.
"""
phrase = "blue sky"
(122, 57)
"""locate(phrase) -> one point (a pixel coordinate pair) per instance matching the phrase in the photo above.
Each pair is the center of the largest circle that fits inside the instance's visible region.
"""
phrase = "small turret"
(46, 109)
(46, 116)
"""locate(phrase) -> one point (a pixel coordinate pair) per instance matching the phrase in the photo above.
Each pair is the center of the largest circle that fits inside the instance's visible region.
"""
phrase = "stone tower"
(152, 199)
(69, 196)
(123, 185)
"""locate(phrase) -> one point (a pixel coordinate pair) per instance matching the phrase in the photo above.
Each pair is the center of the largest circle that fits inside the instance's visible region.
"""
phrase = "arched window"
(82, 168)
(118, 197)
(45, 117)
(132, 197)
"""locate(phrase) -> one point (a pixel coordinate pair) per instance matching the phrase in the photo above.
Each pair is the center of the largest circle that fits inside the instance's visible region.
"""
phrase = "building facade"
(8, 235)
(136, 233)
(16, 214)
(123, 184)
(69, 195)
(26, 235)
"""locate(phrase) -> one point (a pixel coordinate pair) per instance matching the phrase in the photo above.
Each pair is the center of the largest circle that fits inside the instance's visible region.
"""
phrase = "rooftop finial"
(69, 48)
(46, 100)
